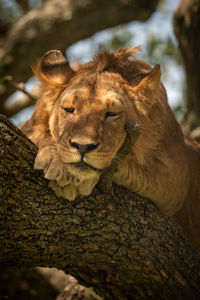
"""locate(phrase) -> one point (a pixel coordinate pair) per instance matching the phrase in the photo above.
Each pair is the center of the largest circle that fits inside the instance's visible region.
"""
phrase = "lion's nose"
(83, 148)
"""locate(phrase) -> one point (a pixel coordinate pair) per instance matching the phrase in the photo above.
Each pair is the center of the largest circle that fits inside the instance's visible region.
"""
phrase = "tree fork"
(120, 244)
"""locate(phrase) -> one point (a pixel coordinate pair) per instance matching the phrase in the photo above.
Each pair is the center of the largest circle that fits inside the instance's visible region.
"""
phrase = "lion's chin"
(82, 170)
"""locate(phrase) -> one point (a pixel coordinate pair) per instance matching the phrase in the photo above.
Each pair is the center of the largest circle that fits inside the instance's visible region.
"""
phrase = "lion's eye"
(110, 114)
(69, 109)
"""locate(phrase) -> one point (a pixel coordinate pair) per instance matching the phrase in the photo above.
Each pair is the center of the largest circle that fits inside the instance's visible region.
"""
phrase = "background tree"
(186, 27)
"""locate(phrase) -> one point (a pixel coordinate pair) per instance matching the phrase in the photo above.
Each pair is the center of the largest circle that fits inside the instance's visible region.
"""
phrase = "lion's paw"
(43, 159)
(86, 187)
(68, 192)
(49, 161)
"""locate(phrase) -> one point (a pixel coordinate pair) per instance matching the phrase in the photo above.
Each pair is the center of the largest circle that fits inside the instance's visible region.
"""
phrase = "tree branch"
(13, 107)
(24, 5)
(120, 244)
(60, 23)
(18, 86)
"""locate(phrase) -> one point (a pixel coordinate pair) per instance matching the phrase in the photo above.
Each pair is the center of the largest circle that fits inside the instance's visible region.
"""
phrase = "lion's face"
(88, 123)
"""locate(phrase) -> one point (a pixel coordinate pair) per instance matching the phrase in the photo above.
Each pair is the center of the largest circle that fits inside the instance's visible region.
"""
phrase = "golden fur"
(78, 126)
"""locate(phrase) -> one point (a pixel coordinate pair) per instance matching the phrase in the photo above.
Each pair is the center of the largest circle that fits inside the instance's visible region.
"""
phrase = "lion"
(79, 126)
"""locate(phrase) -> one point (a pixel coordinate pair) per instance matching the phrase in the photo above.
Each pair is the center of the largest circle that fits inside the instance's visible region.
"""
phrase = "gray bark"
(120, 244)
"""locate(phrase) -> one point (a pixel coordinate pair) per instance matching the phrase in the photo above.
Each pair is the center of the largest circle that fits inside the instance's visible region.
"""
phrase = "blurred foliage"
(159, 49)
(11, 10)
(121, 37)
(179, 112)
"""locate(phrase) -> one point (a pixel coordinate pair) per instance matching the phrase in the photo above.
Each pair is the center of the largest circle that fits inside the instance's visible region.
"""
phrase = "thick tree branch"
(120, 244)
(59, 24)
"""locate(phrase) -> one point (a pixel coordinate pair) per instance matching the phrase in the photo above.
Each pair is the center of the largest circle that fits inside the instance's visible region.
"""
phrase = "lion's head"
(83, 111)
(87, 122)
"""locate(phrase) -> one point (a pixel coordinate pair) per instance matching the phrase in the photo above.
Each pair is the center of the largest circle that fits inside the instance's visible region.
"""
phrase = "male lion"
(79, 126)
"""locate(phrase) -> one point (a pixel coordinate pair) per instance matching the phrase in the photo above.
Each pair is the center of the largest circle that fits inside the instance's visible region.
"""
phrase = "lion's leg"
(86, 187)
(62, 182)
(69, 191)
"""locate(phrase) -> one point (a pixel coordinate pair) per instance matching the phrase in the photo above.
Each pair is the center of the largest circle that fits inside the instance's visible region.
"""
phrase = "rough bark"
(59, 24)
(186, 27)
(120, 244)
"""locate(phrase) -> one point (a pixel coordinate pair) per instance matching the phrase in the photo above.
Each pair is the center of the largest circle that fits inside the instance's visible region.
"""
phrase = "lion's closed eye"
(69, 109)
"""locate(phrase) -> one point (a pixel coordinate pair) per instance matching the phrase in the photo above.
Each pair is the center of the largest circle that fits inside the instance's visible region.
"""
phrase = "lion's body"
(78, 126)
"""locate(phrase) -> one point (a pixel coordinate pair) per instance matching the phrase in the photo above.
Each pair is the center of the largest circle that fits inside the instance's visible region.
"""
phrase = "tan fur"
(105, 94)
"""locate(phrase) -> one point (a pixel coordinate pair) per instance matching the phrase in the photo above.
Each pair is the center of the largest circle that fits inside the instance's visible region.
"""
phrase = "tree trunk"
(120, 244)
(58, 24)
(186, 27)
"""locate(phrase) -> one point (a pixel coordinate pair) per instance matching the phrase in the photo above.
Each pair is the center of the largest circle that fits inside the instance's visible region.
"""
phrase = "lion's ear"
(53, 68)
(149, 84)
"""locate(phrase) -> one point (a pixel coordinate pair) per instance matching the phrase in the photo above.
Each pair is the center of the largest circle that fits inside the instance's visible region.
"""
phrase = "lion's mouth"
(82, 166)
